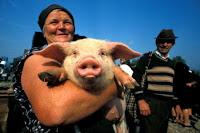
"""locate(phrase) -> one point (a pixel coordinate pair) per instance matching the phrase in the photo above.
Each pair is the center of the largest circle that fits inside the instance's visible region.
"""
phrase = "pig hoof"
(48, 77)
(45, 77)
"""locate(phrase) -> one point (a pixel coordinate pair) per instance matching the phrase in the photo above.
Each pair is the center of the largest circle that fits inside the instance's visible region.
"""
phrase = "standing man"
(155, 72)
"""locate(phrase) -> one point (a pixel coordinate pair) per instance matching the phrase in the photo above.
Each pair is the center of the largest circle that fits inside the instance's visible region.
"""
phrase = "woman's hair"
(43, 15)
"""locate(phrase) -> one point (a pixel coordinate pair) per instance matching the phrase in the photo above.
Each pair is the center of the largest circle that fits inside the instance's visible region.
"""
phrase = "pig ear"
(54, 51)
(120, 50)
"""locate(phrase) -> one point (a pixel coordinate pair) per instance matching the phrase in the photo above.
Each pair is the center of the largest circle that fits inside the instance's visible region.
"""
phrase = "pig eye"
(74, 53)
(102, 53)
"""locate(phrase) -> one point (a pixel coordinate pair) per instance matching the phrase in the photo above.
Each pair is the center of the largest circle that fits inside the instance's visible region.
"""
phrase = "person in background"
(57, 109)
(186, 83)
(129, 97)
(154, 72)
(126, 66)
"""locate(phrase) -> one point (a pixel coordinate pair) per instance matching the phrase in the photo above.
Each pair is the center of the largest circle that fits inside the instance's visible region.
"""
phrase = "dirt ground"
(3, 114)
(177, 128)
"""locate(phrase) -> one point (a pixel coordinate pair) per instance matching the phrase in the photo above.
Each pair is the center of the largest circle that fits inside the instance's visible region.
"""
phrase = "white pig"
(88, 62)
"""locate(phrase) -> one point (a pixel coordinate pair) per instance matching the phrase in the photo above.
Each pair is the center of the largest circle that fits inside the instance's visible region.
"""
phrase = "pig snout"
(89, 68)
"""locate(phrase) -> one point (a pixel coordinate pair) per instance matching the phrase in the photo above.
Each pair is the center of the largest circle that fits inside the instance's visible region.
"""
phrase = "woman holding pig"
(57, 109)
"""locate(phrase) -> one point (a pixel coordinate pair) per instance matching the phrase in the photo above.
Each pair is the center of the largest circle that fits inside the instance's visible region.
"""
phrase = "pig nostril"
(89, 68)
(83, 66)
(89, 65)
(95, 66)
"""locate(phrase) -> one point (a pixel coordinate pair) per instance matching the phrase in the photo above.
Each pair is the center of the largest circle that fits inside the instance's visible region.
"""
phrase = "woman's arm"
(62, 104)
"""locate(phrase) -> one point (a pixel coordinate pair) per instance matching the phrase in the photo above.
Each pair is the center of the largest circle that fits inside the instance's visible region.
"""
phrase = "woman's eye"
(53, 22)
(67, 22)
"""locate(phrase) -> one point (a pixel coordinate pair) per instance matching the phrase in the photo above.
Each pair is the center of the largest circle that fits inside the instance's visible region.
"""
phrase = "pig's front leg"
(124, 79)
(114, 110)
(53, 76)
(116, 113)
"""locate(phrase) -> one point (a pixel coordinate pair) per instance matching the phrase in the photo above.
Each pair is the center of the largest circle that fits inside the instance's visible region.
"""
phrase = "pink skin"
(88, 68)
(93, 67)
(91, 61)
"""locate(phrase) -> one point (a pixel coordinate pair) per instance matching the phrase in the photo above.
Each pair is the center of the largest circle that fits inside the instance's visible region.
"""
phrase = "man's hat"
(166, 34)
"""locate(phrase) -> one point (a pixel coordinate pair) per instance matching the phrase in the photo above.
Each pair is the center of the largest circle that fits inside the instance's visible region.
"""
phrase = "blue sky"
(133, 22)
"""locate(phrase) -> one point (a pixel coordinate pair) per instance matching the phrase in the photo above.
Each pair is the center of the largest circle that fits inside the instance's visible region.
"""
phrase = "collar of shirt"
(160, 55)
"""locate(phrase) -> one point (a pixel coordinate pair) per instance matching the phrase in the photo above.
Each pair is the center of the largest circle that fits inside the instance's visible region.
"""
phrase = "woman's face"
(58, 27)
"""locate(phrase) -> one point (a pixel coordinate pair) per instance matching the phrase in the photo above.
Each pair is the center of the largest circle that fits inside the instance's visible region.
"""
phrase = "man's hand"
(144, 108)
